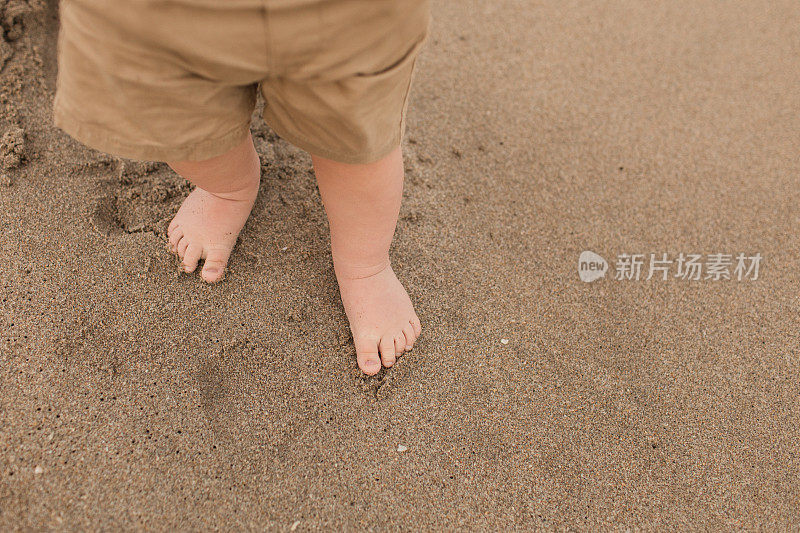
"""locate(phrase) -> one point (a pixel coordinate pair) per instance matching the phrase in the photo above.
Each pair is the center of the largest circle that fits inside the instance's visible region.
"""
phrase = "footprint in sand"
(136, 197)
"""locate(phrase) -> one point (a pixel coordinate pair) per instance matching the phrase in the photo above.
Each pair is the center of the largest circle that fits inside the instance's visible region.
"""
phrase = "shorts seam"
(404, 110)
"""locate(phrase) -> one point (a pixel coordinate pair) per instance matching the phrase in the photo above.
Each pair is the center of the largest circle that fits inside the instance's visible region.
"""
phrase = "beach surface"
(136, 397)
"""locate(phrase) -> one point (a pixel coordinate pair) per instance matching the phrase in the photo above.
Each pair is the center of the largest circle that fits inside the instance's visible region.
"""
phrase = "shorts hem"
(107, 141)
(349, 158)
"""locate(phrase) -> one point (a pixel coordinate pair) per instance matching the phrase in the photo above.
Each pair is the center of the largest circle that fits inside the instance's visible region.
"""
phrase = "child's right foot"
(207, 226)
(210, 219)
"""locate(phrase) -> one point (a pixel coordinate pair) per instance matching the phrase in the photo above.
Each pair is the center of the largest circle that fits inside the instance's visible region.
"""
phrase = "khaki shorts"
(177, 80)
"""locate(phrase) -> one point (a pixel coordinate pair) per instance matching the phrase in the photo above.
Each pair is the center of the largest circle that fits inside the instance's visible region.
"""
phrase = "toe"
(387, 351)
(214, 266)
(182, 245)
(174, 237)
(367, 355)
(191, 257)
(399, 344)
(415, 323)
(410, 336)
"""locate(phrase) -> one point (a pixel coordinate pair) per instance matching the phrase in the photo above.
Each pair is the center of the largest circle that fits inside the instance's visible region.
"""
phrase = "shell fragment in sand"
(401, 448)
(503, 341)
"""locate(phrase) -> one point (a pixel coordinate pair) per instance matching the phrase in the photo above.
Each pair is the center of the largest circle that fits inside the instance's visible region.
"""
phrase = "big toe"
(214, 265)
(367, 354)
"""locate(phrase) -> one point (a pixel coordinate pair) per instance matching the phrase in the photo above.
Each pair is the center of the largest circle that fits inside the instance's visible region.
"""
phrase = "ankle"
(245, 192)
(348, 269)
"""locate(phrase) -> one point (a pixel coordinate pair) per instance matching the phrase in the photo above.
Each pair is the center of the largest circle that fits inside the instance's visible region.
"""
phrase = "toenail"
(212, 270)
(408, 348)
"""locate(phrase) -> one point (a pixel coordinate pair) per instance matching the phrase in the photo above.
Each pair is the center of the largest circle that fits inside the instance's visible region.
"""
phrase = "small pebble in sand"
(401, 448)
(294, 526)
(503, 341)
(38, 470)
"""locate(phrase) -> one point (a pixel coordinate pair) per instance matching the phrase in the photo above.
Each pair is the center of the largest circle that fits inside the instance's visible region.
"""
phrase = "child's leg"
(362, 203)
(210, 219)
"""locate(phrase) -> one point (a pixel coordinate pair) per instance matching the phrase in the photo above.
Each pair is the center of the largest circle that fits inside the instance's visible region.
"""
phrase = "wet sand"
(136, 397)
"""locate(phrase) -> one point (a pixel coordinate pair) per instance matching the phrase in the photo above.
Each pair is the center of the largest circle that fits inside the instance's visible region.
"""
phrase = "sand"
(136, 397)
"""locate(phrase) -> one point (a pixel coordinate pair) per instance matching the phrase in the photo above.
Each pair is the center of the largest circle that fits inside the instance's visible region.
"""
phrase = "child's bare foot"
(207, 226)
(210, 219)
(362, 203)
(382, 319)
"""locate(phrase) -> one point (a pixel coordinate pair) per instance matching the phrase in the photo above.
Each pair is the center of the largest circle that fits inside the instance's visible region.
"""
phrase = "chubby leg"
(362, 203)
(210, 219)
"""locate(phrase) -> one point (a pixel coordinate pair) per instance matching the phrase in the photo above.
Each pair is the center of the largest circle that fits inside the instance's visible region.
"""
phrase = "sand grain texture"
(135, 397)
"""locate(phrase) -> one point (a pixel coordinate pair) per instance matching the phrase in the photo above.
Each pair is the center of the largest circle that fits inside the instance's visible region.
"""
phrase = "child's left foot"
(382, 319)
(362, 203)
